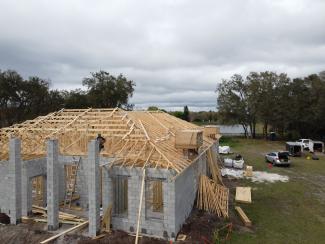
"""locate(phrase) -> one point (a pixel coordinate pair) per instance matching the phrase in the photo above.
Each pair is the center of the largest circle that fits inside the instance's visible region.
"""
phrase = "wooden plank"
(249, 171)
(243, 195)
(140, 206)
(84, 224)
(106, 221)
(243, 217)
(99, 236)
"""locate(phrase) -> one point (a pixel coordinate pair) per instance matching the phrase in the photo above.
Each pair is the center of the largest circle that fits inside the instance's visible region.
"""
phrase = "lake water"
(231, 129)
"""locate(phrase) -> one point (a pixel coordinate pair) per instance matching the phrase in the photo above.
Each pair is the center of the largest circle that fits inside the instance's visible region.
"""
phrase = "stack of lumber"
(64, 218)
(212, 197)
(213, 166)
(212, 194)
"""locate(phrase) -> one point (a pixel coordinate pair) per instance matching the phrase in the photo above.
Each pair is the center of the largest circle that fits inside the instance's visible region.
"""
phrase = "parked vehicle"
(307, 144)
(318, 146)
(278, 158)
(294, 149)
(311, 146)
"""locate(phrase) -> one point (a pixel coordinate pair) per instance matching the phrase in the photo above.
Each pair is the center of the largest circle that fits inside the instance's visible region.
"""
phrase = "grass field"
(292, 212)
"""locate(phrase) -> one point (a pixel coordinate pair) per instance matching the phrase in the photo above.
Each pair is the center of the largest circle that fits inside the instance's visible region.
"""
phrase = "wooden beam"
(84, 224)
(243, 217)
(140, 206)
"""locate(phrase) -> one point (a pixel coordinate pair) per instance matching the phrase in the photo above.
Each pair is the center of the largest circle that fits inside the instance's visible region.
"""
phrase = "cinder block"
(15, 184)
(52, 185)
(93, 188)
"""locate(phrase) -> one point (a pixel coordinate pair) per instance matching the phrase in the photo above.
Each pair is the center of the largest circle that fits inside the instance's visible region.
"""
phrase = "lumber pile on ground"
(212, 197)
(213, 166)
(212, 194)
(64, 218)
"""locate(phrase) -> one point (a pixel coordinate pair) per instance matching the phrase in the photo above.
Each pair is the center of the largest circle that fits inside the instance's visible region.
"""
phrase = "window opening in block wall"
(38, 190)
(154, 198)
(120, 206)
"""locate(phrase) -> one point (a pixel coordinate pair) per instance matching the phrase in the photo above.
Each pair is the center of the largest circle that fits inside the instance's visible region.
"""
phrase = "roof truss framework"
(133, 138)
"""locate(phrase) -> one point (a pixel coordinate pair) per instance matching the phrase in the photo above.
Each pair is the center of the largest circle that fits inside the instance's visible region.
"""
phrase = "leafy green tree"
(108, 91)
(10, 86)
(232, 102)
(75, 99)
(269, 97)
(25, 99)
(153, 108)
(178, 114)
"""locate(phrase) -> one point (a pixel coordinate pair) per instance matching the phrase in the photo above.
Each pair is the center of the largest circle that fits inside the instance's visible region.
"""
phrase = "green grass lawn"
(292, 212)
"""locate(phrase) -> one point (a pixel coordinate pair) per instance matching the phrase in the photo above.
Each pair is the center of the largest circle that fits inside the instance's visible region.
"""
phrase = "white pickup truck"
(307, 144)
(311, 146)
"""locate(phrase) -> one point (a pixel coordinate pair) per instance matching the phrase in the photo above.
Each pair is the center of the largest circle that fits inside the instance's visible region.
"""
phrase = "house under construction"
(147, 173)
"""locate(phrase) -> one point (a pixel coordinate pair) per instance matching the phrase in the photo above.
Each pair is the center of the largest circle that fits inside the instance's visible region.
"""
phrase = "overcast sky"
(175, 50)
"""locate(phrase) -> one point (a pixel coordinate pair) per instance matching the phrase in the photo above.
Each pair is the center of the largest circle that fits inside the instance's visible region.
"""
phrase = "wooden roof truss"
(133, 138)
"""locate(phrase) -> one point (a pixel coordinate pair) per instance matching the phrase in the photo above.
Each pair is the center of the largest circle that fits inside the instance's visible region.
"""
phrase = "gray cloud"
(176, 51)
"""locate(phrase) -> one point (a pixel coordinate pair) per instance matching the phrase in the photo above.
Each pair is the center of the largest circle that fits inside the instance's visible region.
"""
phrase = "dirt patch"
(23, 233)
(199, 227)
(116, 237)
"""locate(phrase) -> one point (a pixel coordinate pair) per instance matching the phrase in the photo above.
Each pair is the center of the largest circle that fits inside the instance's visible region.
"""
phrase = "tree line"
(201, 117)
(291, 107)
(22, 99)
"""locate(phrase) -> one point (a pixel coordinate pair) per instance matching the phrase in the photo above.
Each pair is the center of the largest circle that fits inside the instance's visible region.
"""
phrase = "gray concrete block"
(93, 188)
(52, 185)
(14, 174)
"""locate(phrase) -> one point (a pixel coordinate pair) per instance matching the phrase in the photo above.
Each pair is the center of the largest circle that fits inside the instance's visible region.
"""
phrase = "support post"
(93, 188)
(52, 185)
(15, 181)
(27, 200)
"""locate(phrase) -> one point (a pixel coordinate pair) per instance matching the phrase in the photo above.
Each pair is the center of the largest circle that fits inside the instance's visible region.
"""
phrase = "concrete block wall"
(82, 183)
(186, 185)
(93, 188)
(30, 169)
(164, 227)
(82, 180)
(14, 182)
(5, 188)
(52, 185)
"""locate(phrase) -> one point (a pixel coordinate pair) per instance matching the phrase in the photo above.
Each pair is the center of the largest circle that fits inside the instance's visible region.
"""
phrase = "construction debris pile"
(212, 194)
(64, 218)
